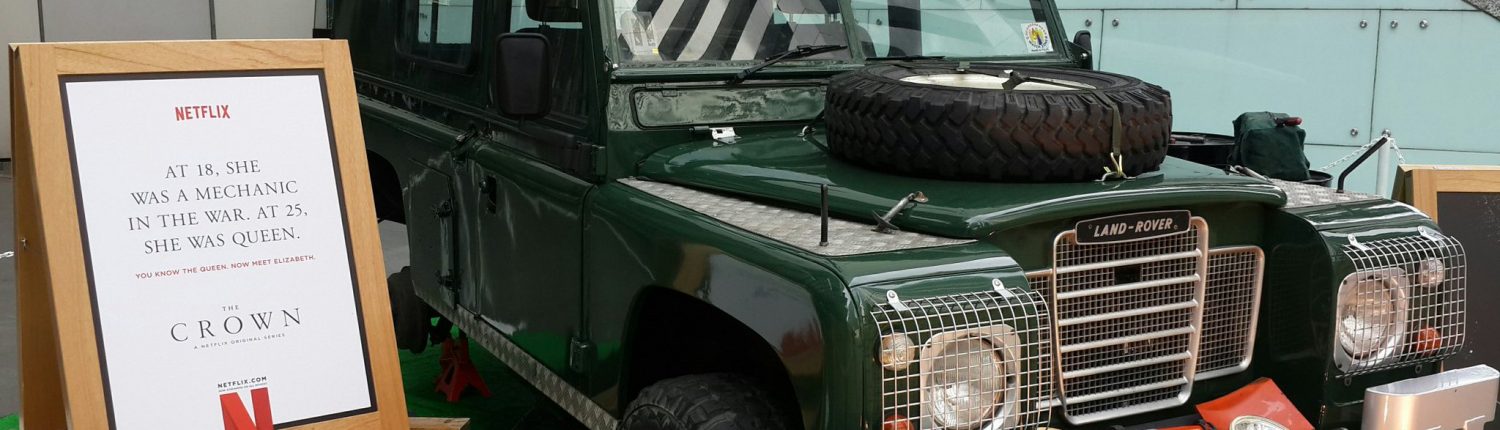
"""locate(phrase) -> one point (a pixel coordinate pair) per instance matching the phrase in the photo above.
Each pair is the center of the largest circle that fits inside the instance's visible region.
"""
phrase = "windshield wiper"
(909, 57)
(801, 51)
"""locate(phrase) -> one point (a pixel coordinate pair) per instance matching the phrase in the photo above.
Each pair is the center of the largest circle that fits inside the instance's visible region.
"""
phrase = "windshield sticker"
(1037, 37)
(637, 35)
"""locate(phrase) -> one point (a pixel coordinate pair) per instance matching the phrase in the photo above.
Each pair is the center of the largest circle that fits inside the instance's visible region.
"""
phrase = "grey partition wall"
(18, 23)
(86, 20)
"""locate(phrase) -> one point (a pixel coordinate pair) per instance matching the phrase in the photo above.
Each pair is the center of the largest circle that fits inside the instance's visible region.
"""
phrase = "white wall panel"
(80, 20)
(1437, 87)
(1317, 64)
(1146, 4)
(1355, 4)
(1075, 20)
(265, 19)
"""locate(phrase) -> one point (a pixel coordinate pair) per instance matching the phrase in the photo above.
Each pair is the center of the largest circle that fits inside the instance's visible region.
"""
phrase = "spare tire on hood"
(996, 123)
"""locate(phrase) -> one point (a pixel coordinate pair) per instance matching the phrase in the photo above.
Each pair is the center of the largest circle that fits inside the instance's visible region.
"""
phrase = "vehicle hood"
(784, 168)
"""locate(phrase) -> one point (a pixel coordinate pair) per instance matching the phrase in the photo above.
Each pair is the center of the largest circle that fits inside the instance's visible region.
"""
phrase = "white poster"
(217, 251)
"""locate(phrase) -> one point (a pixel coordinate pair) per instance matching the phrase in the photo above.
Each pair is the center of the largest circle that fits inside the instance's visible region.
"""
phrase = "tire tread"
(878, 121)
(714, 401)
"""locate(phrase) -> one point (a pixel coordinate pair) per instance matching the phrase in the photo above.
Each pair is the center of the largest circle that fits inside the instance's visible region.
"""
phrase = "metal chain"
(1391, 141)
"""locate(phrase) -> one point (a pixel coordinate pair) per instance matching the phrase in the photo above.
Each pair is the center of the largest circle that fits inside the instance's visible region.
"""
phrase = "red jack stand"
(459, 372)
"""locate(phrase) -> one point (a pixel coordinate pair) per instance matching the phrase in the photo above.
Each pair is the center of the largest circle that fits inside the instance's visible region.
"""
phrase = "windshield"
(690, 31)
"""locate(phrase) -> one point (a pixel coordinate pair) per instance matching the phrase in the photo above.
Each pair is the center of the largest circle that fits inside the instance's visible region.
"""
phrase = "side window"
(438, 30)
(563, 28)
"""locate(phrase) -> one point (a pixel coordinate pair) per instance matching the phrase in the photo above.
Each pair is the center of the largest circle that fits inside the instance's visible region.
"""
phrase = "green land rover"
(877, 214)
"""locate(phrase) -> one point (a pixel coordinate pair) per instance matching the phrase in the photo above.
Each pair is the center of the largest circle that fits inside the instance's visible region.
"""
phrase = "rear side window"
(438, 30)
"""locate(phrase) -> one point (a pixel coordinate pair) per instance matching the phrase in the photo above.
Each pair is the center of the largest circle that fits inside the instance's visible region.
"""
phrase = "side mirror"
(1085, 43)
(522, 80)
(554, 11)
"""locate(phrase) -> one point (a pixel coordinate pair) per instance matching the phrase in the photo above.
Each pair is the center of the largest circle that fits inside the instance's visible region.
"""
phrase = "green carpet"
(513, 404)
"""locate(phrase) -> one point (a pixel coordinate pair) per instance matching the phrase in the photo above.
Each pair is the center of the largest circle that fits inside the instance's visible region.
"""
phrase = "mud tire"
(715, 401)
(877, 120)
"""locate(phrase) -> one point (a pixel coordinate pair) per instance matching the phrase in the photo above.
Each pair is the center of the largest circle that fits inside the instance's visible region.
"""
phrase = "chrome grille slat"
(1020, 314)
(1125, 391)
(1159, 398)
(1126, 339)
(1126, 365)
(1120, 288)
(1128, 261)
(1127, 313)
(1127, 318)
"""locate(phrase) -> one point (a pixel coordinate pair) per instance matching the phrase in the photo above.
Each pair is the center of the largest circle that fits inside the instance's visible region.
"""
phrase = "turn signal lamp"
(896, 422)
(897, 351)
(1429, 340)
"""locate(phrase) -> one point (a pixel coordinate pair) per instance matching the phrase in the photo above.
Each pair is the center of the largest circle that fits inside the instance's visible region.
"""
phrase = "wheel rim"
(988, 82)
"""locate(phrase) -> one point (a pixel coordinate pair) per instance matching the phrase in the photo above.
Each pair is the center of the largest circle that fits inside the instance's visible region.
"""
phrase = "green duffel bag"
(1270, 144)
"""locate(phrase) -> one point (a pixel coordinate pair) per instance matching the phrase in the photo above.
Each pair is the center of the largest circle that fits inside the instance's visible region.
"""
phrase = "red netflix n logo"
(237, 418)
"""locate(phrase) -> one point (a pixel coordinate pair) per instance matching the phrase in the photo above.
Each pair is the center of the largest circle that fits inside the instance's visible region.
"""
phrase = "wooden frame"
(1419, 185)
(62, 386)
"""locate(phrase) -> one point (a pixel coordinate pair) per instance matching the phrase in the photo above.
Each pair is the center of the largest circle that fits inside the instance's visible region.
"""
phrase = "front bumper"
(1459, 398)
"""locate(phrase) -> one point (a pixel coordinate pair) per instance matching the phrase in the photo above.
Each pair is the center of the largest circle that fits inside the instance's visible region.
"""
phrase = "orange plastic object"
(1260, 398)
(459, 372)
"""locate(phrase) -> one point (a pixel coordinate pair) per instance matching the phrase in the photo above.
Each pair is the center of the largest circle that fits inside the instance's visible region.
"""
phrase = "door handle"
(487, 187)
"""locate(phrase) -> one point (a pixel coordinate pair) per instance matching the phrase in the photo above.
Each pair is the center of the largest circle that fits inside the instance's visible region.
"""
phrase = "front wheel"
(715, 401)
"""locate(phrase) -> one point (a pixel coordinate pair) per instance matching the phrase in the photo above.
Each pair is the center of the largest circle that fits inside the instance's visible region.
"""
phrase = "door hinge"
(580, 355)
(584, 159)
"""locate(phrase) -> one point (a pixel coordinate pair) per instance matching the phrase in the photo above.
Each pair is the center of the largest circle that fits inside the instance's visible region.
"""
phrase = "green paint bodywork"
(522, 223)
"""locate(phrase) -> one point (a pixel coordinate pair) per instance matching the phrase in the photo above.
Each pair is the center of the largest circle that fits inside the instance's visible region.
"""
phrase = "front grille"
(1126, 317)
(1411, 292)
(1000, 333)
(1230, 309)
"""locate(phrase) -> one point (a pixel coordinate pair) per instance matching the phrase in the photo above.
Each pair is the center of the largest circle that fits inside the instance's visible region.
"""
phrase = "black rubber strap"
(1015, 79)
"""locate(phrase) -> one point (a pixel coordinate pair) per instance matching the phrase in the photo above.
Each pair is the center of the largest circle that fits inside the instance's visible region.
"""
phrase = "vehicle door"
(429, 86)
(522, 185)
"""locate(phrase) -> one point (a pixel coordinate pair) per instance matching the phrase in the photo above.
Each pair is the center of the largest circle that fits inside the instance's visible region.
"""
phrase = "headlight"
(969, 378)
(1371, 317)
(1250, 422)
(965, 384)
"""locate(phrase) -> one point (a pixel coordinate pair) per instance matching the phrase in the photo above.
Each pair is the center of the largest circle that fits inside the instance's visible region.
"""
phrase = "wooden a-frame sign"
(196, 242)
(1420, 184)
